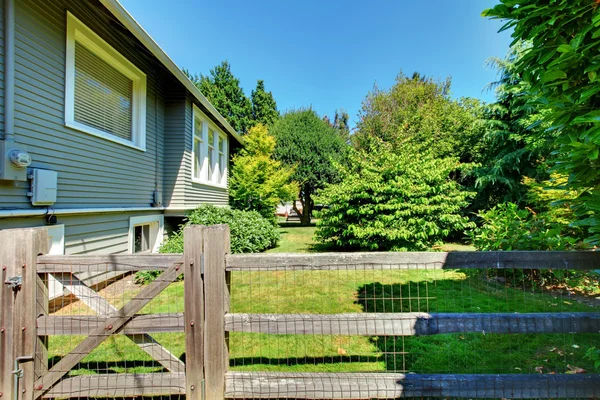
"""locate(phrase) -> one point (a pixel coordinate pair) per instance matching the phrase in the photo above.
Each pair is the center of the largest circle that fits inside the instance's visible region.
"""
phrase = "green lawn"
(360, 291)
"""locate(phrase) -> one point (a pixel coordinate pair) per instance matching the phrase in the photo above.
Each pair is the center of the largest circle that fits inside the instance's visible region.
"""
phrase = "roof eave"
(136, 29)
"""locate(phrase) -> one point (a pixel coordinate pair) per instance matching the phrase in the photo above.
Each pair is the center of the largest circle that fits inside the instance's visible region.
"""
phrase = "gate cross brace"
(113, 324)
(102, 307)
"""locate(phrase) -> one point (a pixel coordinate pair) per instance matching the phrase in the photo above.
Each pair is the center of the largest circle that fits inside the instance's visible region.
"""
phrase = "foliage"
(250, 232)
(310, 145)
(257, 181)
(593, 354)
(389, 200)
(341, 122)
(418, 111)
(264, 107)
(508, 227)
(514, 142)
(561, 68)
(224, 92)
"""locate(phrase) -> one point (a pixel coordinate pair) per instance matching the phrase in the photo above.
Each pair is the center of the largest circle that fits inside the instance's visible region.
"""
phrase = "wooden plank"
(270, 385)
(412, 324)
(193, 289)
(29, 243)
(85, 324)
(18, 253)
(215, 359)
(102, 307)
(581, 260)
(114, 323)
(42, 308)
(9, 267)
(119, 385)
(106, 263)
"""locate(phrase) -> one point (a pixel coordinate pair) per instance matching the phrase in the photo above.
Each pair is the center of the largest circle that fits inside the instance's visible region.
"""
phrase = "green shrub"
(250, 233)
(392, 201)
(508, 227)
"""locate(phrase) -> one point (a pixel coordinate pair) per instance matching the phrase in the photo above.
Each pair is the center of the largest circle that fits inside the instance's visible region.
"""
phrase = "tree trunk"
(307, 206)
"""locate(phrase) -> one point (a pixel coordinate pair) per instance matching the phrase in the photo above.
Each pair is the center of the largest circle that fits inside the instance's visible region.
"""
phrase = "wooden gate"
(26, 325)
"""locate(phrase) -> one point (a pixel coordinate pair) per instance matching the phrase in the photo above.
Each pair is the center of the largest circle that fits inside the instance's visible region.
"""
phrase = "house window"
(145, 234)
(105, 94)
(209, 152)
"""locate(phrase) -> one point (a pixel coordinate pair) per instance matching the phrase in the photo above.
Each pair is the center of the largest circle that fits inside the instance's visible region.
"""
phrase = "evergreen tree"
(264, 107)
(224, 92)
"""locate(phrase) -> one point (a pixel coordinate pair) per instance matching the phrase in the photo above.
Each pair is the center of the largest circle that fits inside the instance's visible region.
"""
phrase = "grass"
(359, 291)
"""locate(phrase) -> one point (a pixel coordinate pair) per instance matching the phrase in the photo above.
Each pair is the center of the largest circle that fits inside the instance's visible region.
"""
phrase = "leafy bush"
(392, 201)
(250, 233)
(593, 354)
(508, 227)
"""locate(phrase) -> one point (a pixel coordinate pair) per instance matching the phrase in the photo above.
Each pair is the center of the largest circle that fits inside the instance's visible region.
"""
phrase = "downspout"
(9, 70)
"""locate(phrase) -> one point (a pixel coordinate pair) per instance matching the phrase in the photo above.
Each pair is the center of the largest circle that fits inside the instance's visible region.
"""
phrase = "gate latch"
(14, 282)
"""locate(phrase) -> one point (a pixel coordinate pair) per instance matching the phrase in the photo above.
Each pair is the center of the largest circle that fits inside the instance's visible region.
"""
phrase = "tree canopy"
(561, 68)
(311, 146)
(224, 92)
(264, 107)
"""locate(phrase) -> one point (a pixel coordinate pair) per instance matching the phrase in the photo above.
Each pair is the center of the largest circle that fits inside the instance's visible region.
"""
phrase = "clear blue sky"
(328, 54)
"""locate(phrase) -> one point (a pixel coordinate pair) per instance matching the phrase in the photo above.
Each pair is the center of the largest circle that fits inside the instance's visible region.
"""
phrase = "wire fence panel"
(299, 326)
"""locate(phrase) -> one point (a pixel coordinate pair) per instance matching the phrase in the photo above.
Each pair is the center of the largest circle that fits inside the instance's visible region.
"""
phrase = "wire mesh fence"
(317, 329)
(411, 319)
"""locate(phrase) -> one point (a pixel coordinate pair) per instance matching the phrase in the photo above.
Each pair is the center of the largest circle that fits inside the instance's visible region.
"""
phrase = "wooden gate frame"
(24, 320)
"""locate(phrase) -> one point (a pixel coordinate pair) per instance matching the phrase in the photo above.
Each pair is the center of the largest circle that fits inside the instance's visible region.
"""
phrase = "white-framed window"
(105, 94)
(146, 233)
(209, 152)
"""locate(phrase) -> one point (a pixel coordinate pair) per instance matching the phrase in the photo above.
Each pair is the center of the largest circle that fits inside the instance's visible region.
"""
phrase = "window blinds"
(103, 95)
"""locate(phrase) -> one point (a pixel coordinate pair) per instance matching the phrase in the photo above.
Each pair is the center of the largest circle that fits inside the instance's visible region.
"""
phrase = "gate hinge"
(14, 282)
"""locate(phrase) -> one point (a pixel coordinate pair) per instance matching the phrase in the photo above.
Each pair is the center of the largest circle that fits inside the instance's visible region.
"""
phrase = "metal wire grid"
(384, 289)
(123, 364)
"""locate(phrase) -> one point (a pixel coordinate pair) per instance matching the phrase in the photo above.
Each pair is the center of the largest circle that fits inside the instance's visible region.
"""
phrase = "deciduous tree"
(258, 182)
(311, 146)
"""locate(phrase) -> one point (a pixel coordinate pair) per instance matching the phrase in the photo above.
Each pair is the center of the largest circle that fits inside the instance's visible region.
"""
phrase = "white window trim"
(143, 220)
(57, 233)
(77, 31)
(206, 125)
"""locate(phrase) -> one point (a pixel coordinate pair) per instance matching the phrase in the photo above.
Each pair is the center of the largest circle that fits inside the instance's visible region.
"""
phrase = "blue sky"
(328, 54)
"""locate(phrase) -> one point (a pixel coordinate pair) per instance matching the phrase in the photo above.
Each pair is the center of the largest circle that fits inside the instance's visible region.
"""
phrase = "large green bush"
(250, 232)
(392, 201)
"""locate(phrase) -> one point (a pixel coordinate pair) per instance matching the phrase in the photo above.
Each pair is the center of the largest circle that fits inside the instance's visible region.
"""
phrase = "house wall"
(92, 172)
(197, 193)
(88, 233)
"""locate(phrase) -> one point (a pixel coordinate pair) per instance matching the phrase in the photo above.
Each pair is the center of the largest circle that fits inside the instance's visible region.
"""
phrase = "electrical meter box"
(44, 186)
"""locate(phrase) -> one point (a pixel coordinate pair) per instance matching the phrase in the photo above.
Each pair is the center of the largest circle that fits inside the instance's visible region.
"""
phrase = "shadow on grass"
(242, 361)
(115, 367)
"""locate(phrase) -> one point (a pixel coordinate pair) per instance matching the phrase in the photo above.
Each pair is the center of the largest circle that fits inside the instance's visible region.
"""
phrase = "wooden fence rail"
(207, 321)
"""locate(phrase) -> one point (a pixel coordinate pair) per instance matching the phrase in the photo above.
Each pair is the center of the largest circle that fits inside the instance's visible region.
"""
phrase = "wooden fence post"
(19, 309)
(193, 284)
(216, 297)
